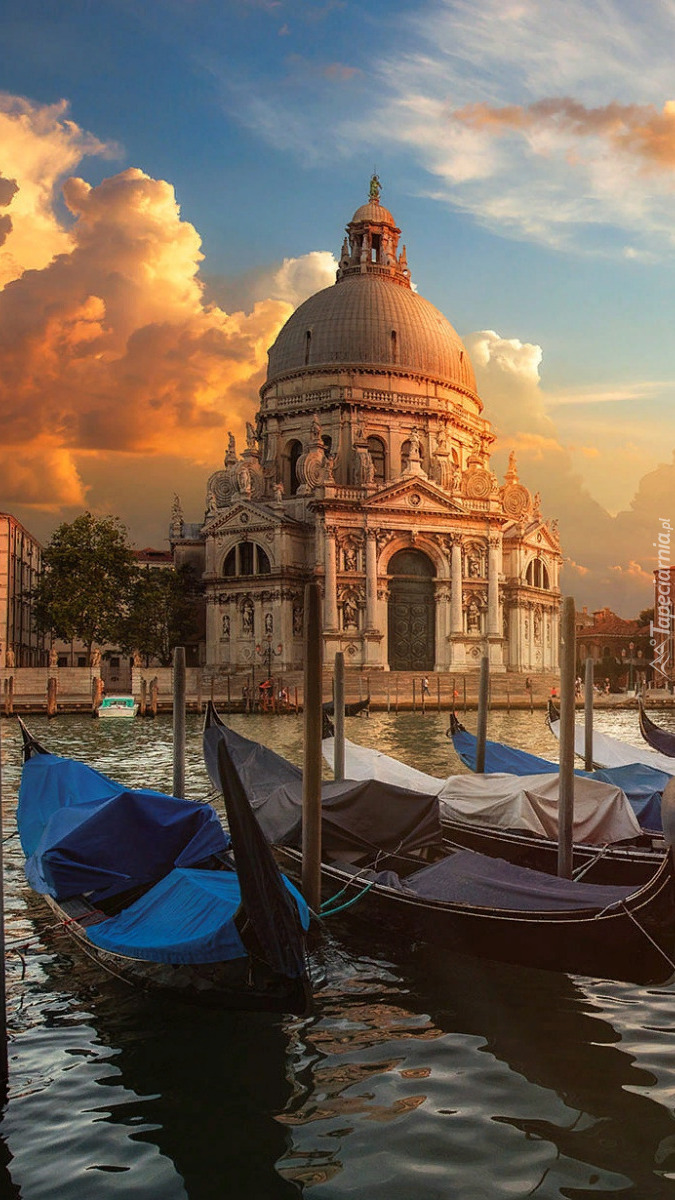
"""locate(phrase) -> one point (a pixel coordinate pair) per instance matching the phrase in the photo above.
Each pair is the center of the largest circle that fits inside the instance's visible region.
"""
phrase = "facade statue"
(350, 615)
(226, 625)
(269, 623)
(177, 521)
(350, 557)
(211, 504)
(251, 439)
(247, 617)
(53, 657)
(10, 658)
(473, 618)
(96, 657)
(137, 660)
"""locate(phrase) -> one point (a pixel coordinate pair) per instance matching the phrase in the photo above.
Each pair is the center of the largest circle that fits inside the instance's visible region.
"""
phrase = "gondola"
(516, 818)
(609, 751)
(659, 739)
(383, 851)
(641, 784)
(146, 886)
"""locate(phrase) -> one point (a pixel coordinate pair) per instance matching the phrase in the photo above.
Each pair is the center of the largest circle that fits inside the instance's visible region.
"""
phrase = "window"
(378, 454)
(537, 574)
(394, 346)
(247, 558)
(294, 455)
(308, 345)
(81, 660)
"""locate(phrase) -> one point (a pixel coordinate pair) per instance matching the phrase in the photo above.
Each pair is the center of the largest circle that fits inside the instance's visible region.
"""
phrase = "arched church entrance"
(412, 612)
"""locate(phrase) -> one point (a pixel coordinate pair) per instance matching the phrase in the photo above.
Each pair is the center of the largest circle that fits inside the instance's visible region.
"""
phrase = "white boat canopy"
(612, 752)
(602, 813)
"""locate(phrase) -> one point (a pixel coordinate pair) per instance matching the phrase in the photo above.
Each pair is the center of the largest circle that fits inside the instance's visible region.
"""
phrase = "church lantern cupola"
(371, 244)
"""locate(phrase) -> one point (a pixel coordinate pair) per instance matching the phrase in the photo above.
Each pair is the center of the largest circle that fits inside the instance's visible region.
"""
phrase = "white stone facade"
(369, 471)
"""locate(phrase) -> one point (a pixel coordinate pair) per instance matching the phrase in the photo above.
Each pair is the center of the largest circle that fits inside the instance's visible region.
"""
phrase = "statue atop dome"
(375, 189)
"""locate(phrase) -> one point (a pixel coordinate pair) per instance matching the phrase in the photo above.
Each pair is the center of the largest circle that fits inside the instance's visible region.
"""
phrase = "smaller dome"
(373, 212)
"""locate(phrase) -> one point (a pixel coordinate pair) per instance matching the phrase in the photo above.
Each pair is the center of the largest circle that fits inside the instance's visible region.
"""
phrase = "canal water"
(420, 1076)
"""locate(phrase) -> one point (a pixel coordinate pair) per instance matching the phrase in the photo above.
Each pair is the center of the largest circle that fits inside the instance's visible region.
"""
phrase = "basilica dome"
(368, 320)
(371, 318)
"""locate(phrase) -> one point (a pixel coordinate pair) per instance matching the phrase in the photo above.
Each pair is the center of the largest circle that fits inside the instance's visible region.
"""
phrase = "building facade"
(369, 471)
(20, 563)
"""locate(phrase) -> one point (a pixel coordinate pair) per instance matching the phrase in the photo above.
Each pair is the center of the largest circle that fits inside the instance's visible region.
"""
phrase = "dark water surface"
(433, 1075)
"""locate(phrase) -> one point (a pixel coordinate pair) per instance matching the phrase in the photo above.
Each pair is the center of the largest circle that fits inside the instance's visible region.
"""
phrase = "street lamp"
(268, 652)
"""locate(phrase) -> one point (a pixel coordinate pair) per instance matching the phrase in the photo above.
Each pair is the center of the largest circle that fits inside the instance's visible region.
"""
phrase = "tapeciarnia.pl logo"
(661, 627)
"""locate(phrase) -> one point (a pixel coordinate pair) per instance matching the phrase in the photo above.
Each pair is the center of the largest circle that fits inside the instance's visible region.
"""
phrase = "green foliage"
(646, 617)
(161, 613)
(83, 591)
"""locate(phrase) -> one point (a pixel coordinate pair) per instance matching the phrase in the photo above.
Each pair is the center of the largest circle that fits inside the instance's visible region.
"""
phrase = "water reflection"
(436, 1075)
(506, 1081)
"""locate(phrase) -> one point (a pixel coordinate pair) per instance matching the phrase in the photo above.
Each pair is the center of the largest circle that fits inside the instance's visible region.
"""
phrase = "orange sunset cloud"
(107, 343)
(639, 130)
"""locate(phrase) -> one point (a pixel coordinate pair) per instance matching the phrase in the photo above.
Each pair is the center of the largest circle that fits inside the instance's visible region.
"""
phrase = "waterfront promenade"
(25, 690)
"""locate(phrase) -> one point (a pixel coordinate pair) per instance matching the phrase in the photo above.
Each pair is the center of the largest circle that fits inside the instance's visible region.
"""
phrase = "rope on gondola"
(581, 871)
(642, 929)
(328, 911)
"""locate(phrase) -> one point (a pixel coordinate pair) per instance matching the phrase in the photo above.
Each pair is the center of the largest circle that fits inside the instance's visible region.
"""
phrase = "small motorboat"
(117, 706)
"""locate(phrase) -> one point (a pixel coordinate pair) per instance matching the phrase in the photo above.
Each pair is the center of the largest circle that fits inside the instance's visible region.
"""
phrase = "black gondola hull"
(243, 984)
(634, 942)
(659, 739)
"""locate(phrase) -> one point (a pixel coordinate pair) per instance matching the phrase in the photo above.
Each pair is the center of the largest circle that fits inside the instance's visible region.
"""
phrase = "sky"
(176, 176)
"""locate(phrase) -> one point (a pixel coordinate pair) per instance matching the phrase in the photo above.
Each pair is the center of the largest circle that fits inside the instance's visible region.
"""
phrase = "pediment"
(537, 535)
(246, 516)
(414, 494)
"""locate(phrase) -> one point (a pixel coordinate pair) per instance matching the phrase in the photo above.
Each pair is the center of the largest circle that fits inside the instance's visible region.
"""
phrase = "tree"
(645, 617)
(161, 613)
(83, 592)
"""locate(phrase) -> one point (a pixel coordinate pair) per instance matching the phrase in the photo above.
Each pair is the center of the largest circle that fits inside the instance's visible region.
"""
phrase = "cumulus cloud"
(608, 558)
(109, 348)
(39, 145)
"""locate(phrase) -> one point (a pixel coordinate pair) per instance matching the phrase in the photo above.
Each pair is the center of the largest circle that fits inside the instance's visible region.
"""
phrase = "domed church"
(369, 471)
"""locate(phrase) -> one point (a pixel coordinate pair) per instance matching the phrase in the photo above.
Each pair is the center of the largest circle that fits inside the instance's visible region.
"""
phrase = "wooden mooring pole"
(588, 716)
(179, 721)
(481, 722)
(311, 775)
(567, 676)
(339, 707)
(4, 1064)
(52, 687)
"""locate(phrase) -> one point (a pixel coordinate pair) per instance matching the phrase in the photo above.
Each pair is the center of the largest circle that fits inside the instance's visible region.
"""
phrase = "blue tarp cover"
(84, 834)
(186, 918)
(478, 880)
(642, 784)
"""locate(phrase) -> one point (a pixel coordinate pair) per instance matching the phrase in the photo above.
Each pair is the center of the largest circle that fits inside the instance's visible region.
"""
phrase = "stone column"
(371, 580)
(493, 622)
(456, 623)
(330, 610)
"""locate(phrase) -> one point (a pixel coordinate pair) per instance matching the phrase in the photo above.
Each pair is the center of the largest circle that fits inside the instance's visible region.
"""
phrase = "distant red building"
(620, 649)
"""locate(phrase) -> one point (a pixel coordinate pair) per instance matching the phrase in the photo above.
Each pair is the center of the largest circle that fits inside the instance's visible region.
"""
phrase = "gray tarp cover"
(361, 816)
